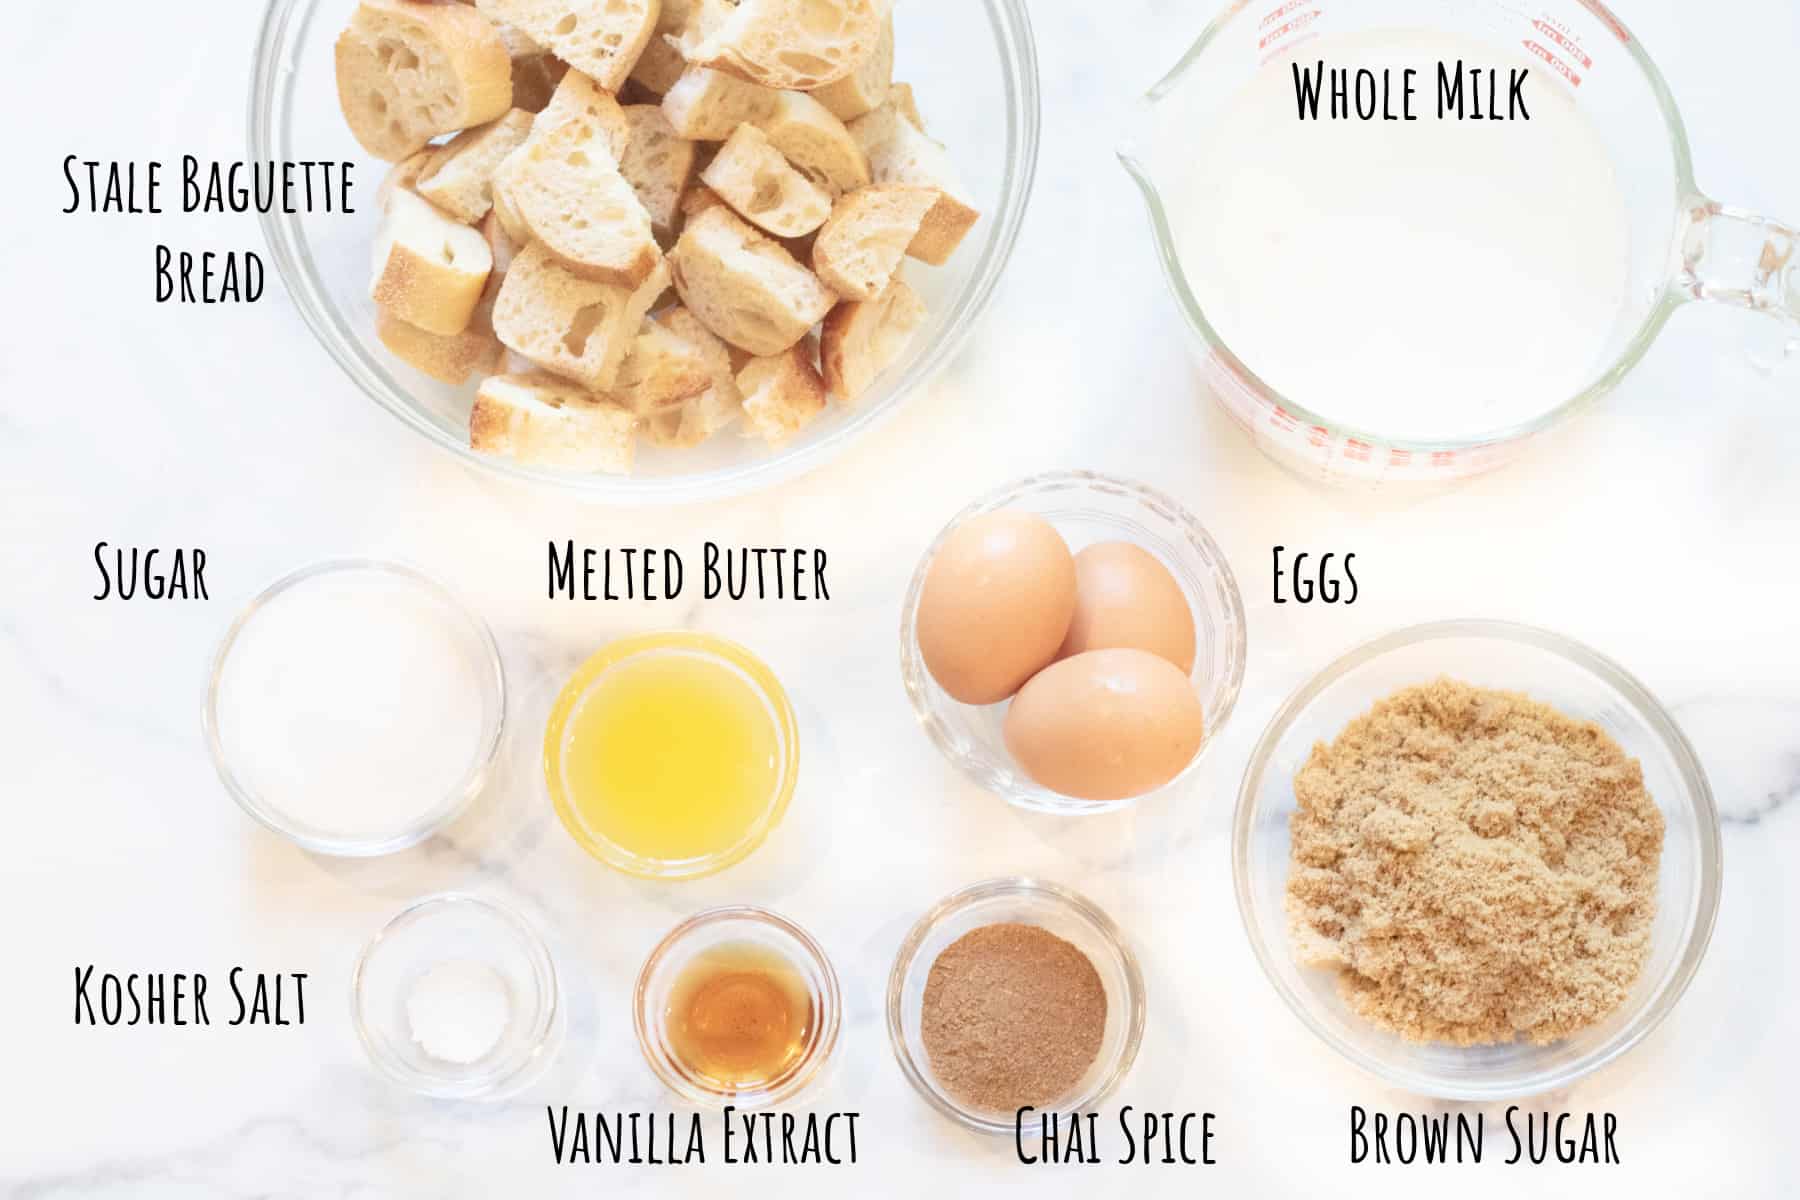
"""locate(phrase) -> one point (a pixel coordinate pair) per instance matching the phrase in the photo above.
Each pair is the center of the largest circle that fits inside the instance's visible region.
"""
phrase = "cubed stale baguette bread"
(861, 246)
(577, 99)
(700, 416)
(519, 44)
(501, 245)
(714, 352)
(658, 164)
(449, 358)
(783, 393)
(514, 363)
(474, 351)
(403, 176)
(661, 370)
(408, 71)
(900, 98)
(899, 152)
(429, 270)
(600, 38)
(863, 338)
(460, 174)
(571, 195)
(819, 145)
(865, 88)
(661, 63)
(800, 44)
(755, 179)
(535, 80)
(699, 198)
(578, 328)
(706, 105)
(693, 420)
(744, 286)
(544, 421)
(658, 67)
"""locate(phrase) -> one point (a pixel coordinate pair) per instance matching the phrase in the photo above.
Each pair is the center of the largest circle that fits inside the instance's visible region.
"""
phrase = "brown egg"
(1125, 597)
(1105, 725)
(995, 605)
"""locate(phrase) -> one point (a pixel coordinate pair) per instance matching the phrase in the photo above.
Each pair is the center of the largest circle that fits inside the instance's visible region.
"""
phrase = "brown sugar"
(1012, 1015)
(1478, 866)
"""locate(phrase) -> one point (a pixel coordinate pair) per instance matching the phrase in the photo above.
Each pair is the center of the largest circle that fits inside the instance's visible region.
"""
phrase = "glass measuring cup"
(1683, 246)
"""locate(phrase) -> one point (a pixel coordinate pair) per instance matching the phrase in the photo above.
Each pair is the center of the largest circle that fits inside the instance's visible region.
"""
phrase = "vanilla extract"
(678, 1139)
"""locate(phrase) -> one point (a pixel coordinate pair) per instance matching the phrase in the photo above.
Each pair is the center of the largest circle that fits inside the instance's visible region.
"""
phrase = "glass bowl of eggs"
(1073, 642)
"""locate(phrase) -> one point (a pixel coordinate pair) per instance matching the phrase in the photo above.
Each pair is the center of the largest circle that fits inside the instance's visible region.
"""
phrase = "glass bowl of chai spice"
(1477, 859)
(1014, 993)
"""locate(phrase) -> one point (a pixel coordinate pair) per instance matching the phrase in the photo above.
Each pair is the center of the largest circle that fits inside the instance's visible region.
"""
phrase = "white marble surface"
(1661, 531)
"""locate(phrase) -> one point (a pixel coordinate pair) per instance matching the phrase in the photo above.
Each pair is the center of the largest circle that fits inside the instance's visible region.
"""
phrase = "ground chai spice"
(1013, 1015)
(1477, 866)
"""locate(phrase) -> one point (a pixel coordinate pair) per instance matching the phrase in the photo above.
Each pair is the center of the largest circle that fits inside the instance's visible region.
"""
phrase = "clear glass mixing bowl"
(973, 67)
(1567, 676)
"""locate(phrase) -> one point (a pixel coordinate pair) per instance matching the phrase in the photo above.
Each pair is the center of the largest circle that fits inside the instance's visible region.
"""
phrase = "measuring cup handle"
(1740, 258)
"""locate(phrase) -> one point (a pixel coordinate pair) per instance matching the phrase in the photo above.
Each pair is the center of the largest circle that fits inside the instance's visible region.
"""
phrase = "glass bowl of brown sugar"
(1014, 992)
(1600, 702)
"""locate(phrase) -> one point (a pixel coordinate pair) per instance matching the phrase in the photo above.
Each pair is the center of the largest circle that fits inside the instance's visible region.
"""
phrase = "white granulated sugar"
(352, 706)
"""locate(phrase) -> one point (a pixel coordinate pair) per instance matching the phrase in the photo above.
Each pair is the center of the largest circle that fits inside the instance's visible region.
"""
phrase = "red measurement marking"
(1566, 42)
(1357, 451)
(1318, 435)
(1599, 10)
(1556, 64)
(1442, 458)
(1399, 458)
(1276, 13)
(1291, 27)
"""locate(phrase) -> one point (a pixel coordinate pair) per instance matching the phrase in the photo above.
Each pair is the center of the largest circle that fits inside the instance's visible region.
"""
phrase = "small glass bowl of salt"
(457, 998)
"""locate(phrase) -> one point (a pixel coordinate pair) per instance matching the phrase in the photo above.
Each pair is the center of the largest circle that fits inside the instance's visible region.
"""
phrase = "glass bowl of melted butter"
(738, 1006)
(671, 755)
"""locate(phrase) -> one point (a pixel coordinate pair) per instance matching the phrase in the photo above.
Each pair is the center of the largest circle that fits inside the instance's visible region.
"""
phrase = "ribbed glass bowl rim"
(1054, 895)
(918, 683)
(1698, 791)
(270, 88)
(704, 645)
(494, 678)
(1668, 299)
(540, 1042)
(828, 1002)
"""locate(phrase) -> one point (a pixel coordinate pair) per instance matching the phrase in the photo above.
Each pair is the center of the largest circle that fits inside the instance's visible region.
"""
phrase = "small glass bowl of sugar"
(356, 707)
(457, 998)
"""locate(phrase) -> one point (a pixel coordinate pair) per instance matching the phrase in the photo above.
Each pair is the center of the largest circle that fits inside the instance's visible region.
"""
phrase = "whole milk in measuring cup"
(1434, 278)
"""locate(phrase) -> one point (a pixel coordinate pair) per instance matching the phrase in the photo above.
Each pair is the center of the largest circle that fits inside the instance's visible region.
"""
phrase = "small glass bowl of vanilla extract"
(738, 1006)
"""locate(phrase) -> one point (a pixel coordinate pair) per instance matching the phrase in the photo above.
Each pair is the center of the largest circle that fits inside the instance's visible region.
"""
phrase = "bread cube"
(408, 71)
(429, 270)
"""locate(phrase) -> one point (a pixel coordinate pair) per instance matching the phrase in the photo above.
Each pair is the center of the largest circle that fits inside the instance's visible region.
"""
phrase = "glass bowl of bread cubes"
(648, 250)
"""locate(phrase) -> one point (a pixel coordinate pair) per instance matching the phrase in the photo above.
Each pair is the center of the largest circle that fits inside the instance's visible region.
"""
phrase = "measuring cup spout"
(1739, 258)
(1136, 147)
